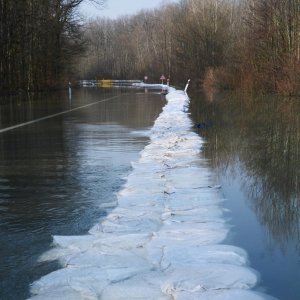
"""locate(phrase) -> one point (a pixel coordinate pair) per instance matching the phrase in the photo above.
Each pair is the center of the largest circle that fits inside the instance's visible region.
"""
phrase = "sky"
(116, 8)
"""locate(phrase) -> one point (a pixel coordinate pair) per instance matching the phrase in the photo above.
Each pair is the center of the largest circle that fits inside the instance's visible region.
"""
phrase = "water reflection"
(253, 147)
(261, 136)
(60, 175)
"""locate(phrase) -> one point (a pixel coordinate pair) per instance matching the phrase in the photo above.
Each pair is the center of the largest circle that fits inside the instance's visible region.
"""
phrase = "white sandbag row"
(164, 238)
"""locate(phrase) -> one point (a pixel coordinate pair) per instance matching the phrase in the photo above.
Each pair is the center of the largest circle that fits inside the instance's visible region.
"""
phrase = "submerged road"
(57, 114)
(61, 175)
(164, 239)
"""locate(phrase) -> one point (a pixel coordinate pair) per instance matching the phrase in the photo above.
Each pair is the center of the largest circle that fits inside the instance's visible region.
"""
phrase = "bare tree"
(39, 40)
(213, 41)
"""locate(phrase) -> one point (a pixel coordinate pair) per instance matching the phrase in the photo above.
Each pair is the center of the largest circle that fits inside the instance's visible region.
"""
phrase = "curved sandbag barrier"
(164, 238)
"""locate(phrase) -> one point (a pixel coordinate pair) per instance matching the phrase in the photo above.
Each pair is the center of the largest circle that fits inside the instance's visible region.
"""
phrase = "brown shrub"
(288, 80)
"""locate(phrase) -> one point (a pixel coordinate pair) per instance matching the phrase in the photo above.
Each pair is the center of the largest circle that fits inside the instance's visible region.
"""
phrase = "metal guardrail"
(108, 82)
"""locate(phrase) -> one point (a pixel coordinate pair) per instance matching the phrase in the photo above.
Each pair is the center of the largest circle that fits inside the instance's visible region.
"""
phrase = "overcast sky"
(116, 8)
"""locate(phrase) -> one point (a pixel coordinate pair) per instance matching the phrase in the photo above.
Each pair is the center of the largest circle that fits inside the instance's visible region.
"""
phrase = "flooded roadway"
(60, 175)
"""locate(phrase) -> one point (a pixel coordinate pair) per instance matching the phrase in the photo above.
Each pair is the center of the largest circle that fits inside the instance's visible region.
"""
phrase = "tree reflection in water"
(261, 137)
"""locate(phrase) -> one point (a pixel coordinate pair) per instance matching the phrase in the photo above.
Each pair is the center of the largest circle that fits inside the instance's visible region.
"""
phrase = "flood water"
(253, 145)
(59, 176)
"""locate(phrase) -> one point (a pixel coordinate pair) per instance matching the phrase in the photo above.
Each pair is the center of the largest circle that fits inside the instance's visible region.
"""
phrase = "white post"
(187, 85)
(70, 91)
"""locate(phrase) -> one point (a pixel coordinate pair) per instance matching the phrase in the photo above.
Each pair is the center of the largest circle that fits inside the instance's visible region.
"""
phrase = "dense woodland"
(247, 44)
(236, 44)
(40, 40)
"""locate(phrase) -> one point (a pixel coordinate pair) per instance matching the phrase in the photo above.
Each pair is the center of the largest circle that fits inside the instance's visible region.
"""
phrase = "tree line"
(247, 44)
(39, 41)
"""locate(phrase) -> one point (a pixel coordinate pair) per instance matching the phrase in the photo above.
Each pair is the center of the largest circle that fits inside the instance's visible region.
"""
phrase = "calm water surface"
(253, 144)
(59, 176)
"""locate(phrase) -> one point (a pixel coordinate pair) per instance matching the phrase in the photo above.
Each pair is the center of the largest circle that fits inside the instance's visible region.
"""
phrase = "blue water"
(253, 145)
(279, 266)
(59, 176)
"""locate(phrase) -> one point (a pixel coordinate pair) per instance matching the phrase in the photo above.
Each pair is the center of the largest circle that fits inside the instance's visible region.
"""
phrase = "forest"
(246, 44)
(40, 41)
(252, 45)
